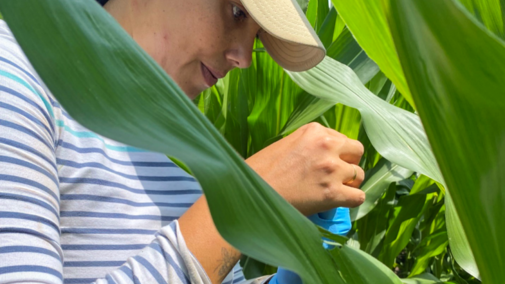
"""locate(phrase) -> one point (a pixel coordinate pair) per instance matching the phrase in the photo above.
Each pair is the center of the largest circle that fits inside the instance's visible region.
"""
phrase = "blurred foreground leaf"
(454, 68)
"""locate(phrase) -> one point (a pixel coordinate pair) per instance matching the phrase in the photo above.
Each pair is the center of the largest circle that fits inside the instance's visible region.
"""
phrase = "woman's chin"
(191, 91)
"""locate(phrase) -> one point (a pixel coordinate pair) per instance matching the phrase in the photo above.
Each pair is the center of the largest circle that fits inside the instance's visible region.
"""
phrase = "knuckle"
(303, 127)
(314, 126)
(360, 147)
(360, 174)
(336, 133)
(328, 165)
(340, 165)
(326, 142)
(330, 194)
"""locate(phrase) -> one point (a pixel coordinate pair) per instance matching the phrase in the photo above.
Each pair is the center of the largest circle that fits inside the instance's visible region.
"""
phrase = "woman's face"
(195, 41)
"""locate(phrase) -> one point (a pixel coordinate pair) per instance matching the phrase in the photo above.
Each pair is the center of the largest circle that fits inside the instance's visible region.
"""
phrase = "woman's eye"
(238, 14)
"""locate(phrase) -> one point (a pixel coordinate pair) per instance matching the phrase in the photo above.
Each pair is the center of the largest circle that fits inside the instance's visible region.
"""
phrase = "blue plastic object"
(337, 221)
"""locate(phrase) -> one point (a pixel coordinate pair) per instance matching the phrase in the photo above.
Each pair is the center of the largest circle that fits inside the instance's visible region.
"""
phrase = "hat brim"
(288, 36)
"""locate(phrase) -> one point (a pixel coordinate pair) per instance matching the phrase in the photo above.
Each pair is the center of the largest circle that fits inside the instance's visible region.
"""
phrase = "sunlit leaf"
(396, 133)
(455, 68)
(368, 23)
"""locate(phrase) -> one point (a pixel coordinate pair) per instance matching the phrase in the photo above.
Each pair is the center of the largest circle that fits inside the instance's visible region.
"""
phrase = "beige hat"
(288, 37)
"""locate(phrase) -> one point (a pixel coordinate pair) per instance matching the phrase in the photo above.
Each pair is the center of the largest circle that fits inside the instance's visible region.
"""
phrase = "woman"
(79, 208)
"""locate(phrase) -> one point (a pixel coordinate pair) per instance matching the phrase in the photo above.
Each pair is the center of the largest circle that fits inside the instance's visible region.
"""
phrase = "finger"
(336, 134)
(352, 151)
(350, 197)
(356, 176)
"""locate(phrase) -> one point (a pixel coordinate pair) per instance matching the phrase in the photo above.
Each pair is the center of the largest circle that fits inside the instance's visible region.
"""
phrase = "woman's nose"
(241, 47)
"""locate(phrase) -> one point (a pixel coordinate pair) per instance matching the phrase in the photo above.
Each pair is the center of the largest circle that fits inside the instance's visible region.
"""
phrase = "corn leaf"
(368, 23)
(354, 262)
(317, 11)
(405, 216)
(345, 50)
(437, 244)
(377, 182)
(396, 133)
(373, 226)
(454, 67)
(425, 278)
(488, 12)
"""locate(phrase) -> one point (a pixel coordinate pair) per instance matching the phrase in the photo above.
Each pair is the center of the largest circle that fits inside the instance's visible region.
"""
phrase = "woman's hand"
(313, 169)
(309, 168)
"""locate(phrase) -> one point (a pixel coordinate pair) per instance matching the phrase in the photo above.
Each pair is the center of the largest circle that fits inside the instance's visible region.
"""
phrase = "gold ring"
(355, 175)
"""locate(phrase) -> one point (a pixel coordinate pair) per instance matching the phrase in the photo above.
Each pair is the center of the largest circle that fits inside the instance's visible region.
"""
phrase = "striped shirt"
(76, 207)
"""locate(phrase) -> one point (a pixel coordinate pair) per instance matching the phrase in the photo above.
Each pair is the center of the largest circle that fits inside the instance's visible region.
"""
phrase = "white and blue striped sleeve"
(30, 248)
(29, 199)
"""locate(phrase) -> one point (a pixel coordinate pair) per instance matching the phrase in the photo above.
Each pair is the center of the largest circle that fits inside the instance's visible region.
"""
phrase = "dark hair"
(102, 2)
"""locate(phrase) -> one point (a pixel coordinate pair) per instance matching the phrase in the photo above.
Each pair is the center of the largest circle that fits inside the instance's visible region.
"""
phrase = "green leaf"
(425, 278)
(356, 261)
(488, 12)
(459, 242)
(254, 269)
(333, 237)
(317, 12)
(344, 119)
(303, 4)
(431, 246)
(328, 28)
(347, 51)
(111, 86)
(396, 133)
(406, 215)
(421, 183)
(372, 227)
(307, 110)
(454, 68)
(368, 23)
(272, 97)
(377, 182)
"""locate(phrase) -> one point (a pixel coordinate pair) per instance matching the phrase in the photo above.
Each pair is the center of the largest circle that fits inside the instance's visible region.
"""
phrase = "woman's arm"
(215, 255)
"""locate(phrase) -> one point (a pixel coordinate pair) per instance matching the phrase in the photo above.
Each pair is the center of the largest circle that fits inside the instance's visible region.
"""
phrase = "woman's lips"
(210, 80)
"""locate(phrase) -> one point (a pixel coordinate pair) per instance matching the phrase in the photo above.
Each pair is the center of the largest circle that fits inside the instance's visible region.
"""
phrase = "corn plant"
(417, 82)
